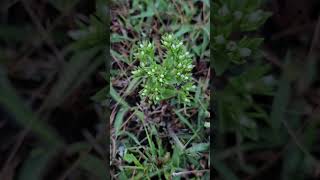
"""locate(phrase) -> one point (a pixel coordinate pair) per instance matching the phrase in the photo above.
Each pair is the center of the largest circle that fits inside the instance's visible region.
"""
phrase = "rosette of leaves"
(232, 19)
(165, 78)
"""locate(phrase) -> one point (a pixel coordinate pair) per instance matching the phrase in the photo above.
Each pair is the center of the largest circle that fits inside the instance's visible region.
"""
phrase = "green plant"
(238, 110)
(167, 78)
(238, 61)
(231, 19)
(157, 161)
(149, 146)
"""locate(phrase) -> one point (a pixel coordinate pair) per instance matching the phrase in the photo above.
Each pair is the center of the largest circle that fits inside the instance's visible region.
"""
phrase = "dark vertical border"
(107, 64)
(212, 92)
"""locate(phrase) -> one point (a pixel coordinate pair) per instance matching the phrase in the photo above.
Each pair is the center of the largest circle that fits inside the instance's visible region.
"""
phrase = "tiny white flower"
(186, 77)
(187, 53)
(178, 73)
(153, 70)
(141, 45)
(179, 65)
(190, 66)
(161, 80)
(162, 75)
(157, 98)
(149, 72)
(142, 53)
(194, 87)
(180, 44)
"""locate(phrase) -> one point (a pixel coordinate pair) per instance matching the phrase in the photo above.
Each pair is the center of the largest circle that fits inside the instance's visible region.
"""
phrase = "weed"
(160, 90)
(169, 79)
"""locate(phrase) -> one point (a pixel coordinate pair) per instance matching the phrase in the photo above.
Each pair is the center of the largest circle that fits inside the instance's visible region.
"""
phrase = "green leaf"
(281, 100)
(183, 29)
(34, 167)
(100, 95)
(223, 170)
(119, 119)
(119, 38)
(131, 158)
(134, 83)
(148, 13)
(24, 116)
(292, 164)
(168, 93)
(176, 156)
(78, 147)
(184, 121)
(63, 5)
(201, 147)
(118, 56)
(94, 166)
(75, 71)
(117, 98)
(220, 63)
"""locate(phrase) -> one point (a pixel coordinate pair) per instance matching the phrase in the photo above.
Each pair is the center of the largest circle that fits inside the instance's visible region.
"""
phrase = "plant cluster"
(231, 18)
(238, 61)
(238, 110)
(161, 75)
(168, 78)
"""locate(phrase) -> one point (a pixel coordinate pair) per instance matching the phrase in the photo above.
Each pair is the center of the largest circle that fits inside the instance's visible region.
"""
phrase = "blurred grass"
(69, 38)
(267, 110)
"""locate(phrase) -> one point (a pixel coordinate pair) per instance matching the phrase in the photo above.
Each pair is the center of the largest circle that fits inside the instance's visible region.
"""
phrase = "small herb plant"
(237, 59)
(231, 19)
(168, 77)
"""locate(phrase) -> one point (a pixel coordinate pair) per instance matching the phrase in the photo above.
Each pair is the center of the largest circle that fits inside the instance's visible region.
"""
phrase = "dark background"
(291, 48)
(51, 58)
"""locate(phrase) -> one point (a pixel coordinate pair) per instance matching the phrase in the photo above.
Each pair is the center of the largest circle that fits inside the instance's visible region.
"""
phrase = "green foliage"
(237, 58)
(63, 49)
(229, 19)
(249, 109)
(156, 161)
(238, 111)
(171, 77)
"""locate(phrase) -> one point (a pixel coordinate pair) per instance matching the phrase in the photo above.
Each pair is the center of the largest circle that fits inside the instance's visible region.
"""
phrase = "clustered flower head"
(167, 78)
